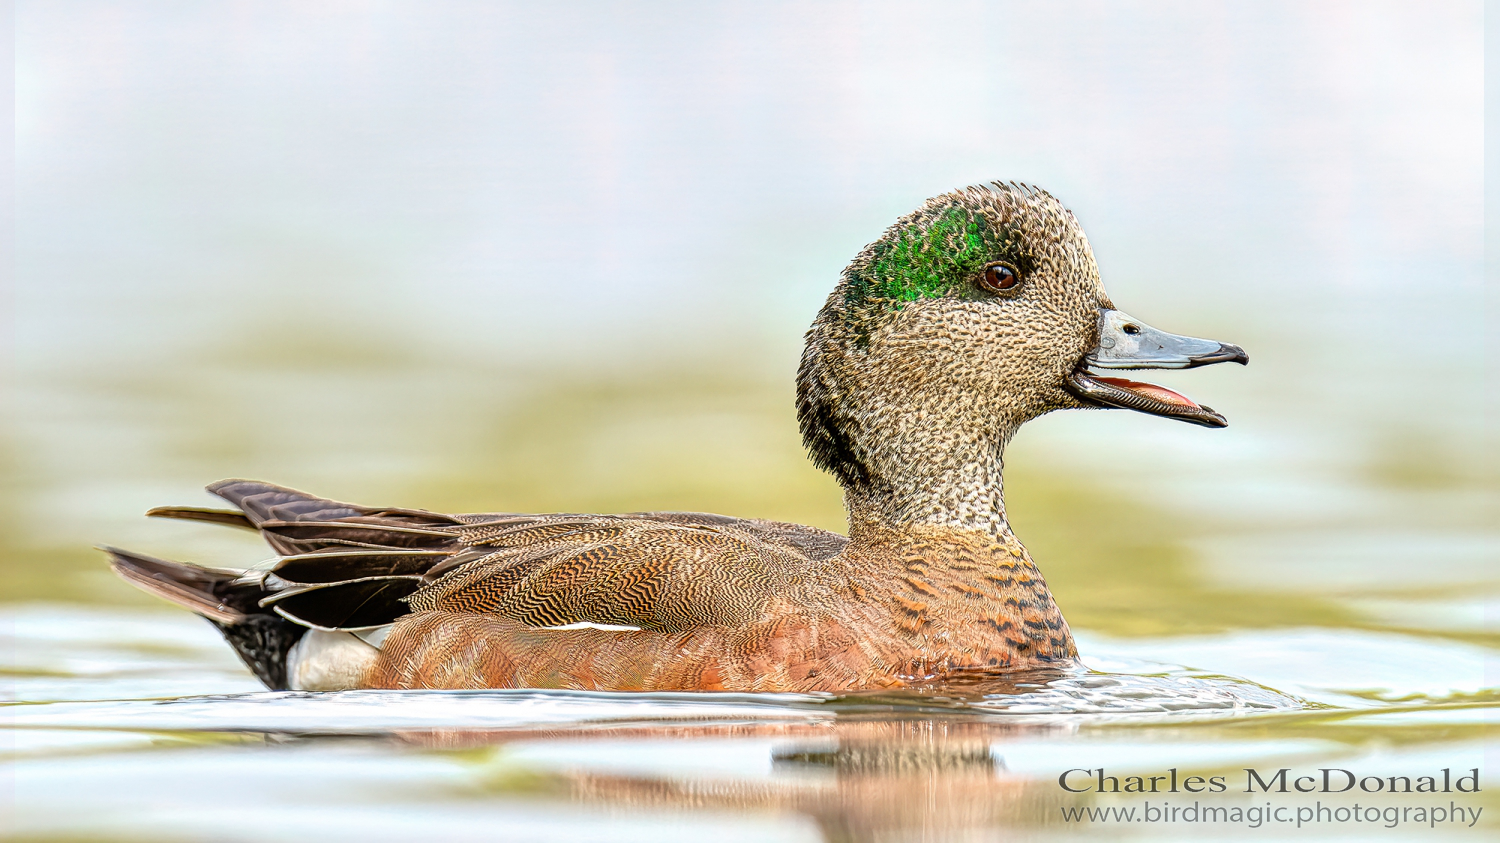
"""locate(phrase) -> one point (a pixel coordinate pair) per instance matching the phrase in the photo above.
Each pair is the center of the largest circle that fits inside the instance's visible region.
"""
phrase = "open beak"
(1127, 343)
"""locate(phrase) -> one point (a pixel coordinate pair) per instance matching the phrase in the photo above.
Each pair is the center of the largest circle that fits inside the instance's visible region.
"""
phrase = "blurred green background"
(520, 257)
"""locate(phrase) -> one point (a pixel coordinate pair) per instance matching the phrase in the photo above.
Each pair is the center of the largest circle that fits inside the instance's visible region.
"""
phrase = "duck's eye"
(999, 277)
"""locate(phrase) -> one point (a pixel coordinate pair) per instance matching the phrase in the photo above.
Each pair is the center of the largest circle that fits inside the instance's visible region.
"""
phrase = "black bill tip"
(1226, 353)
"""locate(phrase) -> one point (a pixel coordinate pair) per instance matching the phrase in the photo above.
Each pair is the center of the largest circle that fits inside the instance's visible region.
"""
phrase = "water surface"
(147, 718)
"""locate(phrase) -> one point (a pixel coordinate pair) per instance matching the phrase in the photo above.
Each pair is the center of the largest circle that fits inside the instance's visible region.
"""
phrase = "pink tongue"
(1152, 391)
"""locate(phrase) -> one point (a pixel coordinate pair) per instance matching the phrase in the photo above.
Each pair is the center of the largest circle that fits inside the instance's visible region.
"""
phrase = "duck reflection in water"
(857, 778)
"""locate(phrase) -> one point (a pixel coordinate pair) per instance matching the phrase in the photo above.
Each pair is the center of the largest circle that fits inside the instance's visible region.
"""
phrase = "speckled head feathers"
(914, 371)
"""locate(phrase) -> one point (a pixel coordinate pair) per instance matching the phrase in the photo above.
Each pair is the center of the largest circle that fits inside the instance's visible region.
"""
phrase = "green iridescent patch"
(940, 251)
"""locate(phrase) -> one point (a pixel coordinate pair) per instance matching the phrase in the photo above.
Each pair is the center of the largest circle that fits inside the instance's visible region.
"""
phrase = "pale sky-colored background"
(500, 172)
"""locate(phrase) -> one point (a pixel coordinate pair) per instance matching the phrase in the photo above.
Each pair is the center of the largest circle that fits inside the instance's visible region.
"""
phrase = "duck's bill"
(1126, 343)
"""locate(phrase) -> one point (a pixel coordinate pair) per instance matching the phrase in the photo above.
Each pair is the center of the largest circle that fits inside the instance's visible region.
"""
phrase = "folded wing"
(352, 567)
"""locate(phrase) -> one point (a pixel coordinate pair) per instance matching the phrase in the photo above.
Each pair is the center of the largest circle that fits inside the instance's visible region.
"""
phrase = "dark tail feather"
(227, 599)
(348, 567)
(211, 592)
(263, 502)
(227, 517)
(294, 522)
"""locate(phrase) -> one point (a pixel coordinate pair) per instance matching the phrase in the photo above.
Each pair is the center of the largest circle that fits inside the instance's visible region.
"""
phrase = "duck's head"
(971, 315)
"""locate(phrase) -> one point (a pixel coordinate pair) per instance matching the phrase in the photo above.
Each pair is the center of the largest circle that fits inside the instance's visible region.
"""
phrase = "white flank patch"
(328, 661)
(375, 637)
(607, 627)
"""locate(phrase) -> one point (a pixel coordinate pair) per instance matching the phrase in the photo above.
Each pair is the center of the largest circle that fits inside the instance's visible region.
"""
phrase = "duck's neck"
(958, 489)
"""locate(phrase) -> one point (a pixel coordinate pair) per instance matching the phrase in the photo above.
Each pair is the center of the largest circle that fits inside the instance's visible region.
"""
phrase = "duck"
(968, 317)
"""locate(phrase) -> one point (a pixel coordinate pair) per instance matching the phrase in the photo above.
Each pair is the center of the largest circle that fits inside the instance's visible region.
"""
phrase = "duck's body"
(870, 617)
(645, 602)
(925, 360)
